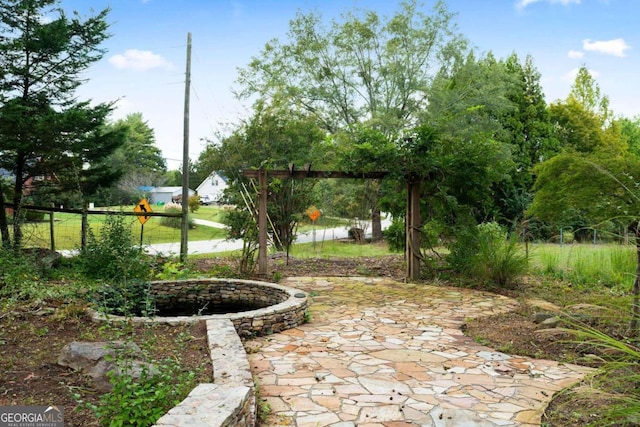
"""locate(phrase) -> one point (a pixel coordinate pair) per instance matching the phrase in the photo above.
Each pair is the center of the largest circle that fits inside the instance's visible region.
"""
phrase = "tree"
(138, 156)
(601, 186)
(44, 131)
(271, 139)
(472, 152)
(581, 127)
(529, 133)
(585, 91)
(630, 132)
(363, 70)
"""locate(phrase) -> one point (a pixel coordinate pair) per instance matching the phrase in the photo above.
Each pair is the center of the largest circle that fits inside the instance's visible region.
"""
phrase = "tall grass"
(618, 379)
(586, 265)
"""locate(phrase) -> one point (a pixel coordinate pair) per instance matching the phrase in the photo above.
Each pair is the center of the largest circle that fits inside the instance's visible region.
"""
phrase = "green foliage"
(588, 266)
(44, 129)
(619, 374)
(174, 221)
(586, 189)
(174, 271)
(395, 236)
(194, 203)
(364, 68)
(141, 402)
(18, 281)
(112, 256)
(486, 254)
(241, 225)
(130, 298)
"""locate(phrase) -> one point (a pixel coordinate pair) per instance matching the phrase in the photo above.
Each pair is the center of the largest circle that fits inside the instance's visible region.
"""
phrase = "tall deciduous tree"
(271, 139)
(45, 131)
(362, 69)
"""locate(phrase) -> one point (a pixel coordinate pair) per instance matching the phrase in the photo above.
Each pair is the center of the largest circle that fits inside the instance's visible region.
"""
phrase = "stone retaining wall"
(231, 401)
(218, 292)
(283, 307)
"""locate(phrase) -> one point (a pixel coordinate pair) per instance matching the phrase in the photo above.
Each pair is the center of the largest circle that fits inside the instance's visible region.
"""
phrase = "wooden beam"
(299, 174)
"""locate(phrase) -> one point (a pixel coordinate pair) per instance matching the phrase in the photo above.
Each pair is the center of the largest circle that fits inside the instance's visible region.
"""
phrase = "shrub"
(141, 402)
(395, 236)
(194, 203)
(174, 221)
(485, 253)
(113, 255)
(131, 298)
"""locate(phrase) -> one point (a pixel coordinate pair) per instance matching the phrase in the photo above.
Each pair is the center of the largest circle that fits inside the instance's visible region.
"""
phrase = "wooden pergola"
(412, 223)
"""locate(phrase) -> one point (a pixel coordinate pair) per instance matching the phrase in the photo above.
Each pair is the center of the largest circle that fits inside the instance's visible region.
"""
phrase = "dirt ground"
(31, 340)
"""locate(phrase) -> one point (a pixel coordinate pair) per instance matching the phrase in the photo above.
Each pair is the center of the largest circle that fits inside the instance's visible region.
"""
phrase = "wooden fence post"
(85, 226)
(51, 229)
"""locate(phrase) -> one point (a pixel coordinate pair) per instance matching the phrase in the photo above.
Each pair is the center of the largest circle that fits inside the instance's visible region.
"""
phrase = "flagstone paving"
(379, 353)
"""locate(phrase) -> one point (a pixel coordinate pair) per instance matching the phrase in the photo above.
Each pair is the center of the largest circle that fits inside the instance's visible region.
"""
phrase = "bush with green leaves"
(113, 255)
(488, 255)
(18, 280)
(174, 221)
(140, 402)
(395, 236)
(113, 258)
(131, 298)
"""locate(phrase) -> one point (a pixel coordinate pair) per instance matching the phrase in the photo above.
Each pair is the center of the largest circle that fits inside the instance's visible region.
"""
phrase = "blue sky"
(144, 67)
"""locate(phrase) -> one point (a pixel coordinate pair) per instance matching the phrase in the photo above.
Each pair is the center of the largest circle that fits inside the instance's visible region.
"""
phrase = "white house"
(211, 189)
(162, 195)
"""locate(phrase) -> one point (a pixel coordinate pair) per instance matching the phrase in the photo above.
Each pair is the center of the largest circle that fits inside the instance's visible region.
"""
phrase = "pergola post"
(262, 222)
(412, 224)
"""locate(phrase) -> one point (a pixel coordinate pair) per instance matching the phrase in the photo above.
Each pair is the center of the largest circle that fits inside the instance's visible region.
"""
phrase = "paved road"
(223, 245)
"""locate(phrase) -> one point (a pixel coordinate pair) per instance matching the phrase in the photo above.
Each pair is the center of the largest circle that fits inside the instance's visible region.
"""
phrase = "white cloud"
(571, 75)
(521, 4)
(139, 60)
(575, 54)
(615, 47)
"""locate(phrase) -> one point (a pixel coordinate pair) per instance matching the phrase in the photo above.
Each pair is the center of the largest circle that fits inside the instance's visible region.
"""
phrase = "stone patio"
(379, 353)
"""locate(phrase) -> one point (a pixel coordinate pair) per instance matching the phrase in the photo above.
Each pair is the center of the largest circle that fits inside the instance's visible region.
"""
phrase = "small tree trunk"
(635, 309)
(376, 225)
(4, 225)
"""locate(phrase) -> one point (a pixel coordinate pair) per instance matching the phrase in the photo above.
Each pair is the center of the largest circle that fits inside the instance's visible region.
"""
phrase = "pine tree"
(44, 131)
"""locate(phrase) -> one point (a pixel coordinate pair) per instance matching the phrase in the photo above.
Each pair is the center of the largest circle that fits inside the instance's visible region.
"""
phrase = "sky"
(145, 65)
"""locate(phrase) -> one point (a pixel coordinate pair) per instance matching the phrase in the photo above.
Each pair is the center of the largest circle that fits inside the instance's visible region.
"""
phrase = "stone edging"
(231, 401)
(286, 314)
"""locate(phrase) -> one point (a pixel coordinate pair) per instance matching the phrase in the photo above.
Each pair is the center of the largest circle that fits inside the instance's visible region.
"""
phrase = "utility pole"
(184, 234)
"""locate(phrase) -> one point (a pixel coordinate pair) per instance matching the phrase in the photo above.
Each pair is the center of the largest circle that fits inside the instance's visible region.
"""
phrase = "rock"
(43, 259)
(96, 359)
(542, 305)
(551, 322)
(541, 316)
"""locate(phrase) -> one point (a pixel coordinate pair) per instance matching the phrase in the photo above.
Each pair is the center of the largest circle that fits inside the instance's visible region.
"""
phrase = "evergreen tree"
(44, 131)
